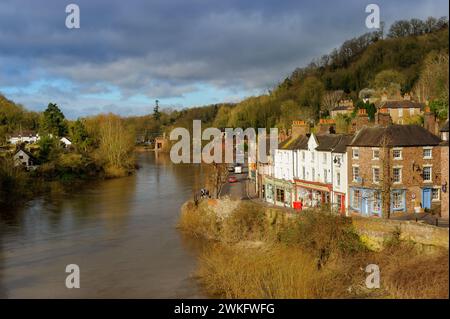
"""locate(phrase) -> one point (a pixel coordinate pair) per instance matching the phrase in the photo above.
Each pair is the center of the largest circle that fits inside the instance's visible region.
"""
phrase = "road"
(236, 190)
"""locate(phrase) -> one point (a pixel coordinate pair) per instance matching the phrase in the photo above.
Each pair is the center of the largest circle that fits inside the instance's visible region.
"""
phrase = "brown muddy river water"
(121, 233)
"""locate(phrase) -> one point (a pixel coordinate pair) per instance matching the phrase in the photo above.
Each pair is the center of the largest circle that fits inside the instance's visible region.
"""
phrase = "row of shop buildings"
(381, 170)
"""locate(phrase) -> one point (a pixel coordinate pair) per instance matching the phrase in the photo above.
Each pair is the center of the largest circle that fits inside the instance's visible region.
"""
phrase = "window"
(355, 172)
(397, 154)
(427, 174)
(397, 175)
(280, 195)
(324, 158)
(355, 153)
(338, 179)
(397, 200)
(375, 154)
(427, 153)
(435, 194)
(303, 172)
(356, 198)
(313, 174)
(376, 174)
(325, 175)
(312, 156)
(303, 155)
(400, 112)
(411, 111)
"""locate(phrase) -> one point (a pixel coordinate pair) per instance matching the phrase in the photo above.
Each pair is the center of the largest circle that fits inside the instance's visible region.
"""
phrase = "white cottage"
(25, 159)
(65, 141)
(24, 137)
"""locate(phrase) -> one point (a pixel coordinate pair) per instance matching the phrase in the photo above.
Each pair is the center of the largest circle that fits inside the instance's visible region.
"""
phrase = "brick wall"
(444, 176)
(411, 164)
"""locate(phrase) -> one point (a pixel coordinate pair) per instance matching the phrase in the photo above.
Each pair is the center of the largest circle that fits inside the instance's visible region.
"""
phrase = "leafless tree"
(331, 99)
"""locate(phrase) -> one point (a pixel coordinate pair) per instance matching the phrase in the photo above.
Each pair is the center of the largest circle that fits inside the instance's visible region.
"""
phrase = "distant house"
(401, 110)
(66, 142)
(393, 169)
(344, 107)
(25, 159)
(24, 137)
(160, 142)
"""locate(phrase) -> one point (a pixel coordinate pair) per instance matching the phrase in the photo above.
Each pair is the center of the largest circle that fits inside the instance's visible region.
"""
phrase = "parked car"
(231, 168)
(232, 179)
(238, 169)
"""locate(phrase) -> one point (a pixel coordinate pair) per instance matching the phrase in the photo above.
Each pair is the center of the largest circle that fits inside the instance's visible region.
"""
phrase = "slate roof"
(327, 142)
(395, 135)
(401, 104)
(298, 143)
(341, 147)
(342, 108)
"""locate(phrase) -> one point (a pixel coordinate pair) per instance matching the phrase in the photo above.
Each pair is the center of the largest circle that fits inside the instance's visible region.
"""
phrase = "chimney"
(361, 120)
(382, 117)
(299, 128)
(429, 121)
(326, 126)
(407, 97)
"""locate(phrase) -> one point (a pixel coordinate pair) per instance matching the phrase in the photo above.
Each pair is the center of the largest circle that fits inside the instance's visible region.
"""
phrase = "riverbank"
(71, 171)
(263, 252)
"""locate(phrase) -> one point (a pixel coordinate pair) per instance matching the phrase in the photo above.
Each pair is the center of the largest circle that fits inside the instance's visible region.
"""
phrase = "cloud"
(172, 50)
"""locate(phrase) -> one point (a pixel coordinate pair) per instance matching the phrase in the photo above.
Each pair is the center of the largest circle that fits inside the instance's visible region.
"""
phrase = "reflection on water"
(120, 232)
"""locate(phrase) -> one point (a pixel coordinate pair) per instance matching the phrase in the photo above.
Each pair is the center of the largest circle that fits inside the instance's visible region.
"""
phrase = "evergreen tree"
(156, 113)
(53, 121)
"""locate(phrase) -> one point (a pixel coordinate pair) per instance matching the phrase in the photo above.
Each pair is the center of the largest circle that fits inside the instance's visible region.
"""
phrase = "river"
(121, 233)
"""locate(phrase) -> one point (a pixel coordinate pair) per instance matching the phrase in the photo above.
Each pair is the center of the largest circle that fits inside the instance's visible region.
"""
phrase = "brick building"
(393, 169)
(444, 171)
(402, 110)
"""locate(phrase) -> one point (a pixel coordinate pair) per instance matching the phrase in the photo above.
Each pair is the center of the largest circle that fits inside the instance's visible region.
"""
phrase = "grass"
(264, 253)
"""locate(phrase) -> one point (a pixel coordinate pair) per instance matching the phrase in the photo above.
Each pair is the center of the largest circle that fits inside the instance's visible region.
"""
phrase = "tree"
(311, 94)
(331, 99)
(79, 135)
(433, 80)
(156, 113)
(53, 121)
(389, 81)
(115, 143)
(48, 148)
(400, 29)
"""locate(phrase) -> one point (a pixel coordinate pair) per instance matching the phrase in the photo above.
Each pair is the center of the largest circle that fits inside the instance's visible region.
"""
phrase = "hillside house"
(25, 159)
(401, 110)
(24, 137)
(65, 142)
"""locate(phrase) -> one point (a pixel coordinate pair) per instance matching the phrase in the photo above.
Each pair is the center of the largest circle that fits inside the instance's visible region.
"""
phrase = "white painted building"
(65, 141)
(321, 172)
(25, 159)
(24, 137)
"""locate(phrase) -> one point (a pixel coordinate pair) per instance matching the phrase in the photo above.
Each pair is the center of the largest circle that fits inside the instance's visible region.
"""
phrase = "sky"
(127, 54)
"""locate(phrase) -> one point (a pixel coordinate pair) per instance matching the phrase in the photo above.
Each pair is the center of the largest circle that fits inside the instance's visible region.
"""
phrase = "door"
(364, 210)
(342, 204)
(426, 198)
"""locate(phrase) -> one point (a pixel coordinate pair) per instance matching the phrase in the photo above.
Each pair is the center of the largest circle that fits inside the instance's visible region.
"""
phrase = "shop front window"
(280, 195)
